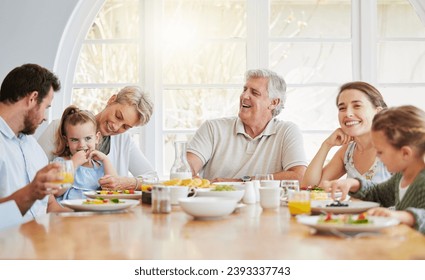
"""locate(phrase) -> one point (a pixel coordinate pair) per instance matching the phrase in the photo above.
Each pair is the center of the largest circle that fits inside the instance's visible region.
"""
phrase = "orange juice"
(297, 207)
(68, 178)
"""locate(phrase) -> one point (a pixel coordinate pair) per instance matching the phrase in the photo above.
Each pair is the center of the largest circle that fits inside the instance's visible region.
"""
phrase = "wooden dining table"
(248, 233)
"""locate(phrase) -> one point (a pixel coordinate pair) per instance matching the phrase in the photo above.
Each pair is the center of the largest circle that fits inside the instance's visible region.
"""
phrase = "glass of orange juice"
(67, 172)
(299, 202)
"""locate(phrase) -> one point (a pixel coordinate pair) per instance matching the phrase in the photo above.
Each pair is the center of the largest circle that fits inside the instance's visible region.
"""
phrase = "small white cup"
(177, 192)
(270, 197)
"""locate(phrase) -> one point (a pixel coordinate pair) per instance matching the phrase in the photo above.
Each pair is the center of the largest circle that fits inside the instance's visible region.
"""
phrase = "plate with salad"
(347, 223)
(110, 194)
(99, 204)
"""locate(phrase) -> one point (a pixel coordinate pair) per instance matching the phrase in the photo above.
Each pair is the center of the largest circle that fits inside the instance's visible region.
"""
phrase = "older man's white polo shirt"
(228, 152)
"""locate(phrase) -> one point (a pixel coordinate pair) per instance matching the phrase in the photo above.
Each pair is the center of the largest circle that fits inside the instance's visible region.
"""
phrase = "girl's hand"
(79, 158)
(343, 186)
(380, 211)
(405, 217)
(97, 155)
(338, 138)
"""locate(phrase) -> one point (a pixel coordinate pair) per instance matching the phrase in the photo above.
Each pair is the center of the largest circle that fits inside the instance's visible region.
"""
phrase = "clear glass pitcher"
(180, 168)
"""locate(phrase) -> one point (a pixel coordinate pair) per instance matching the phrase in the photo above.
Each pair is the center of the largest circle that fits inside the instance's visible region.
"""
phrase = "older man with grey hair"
(255, 142)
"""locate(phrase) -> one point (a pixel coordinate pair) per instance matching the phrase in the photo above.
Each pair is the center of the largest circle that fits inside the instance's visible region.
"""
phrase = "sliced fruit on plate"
(186, 182)
(196, 182)
(173, 182)
(100, 200)
(205, 183)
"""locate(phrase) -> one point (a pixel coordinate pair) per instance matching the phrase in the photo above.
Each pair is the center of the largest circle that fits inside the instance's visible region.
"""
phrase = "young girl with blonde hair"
(398, 135)
(76, 140)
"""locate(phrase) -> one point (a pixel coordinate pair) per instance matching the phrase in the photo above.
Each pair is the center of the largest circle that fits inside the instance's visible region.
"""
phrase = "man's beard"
(29, 126)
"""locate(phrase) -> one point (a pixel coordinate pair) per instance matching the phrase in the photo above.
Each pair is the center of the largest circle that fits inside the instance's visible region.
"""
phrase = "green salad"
(224, 188)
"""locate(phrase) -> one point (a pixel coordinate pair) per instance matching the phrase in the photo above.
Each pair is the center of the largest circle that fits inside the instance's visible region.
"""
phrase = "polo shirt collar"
(269, 130)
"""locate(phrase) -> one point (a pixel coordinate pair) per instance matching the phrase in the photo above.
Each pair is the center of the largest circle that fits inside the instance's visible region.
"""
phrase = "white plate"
(319, 206)
(377, 224)
(77, 204)
(94, 194)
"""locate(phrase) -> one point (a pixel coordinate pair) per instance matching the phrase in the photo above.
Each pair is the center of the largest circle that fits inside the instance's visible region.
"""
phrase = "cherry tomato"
(328, 217)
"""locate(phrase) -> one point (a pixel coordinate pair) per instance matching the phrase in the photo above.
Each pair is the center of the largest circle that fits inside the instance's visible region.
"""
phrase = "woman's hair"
(276, 86)
(71, 116)
(403, 126)
(135, 96)
(370, 91)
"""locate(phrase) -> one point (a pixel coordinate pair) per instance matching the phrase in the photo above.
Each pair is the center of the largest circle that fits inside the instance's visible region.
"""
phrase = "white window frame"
(151, 142)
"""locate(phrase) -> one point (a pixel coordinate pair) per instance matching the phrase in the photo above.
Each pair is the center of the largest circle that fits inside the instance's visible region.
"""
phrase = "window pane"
(204, 19)
(312, 143)
(117, 19)
(311, 108)
(92, 99)
(207, 63)
(397, 96)
(188, 109)
(108, 63)
(310, 19)
(395, 68)
(397, 18)
(303, 63)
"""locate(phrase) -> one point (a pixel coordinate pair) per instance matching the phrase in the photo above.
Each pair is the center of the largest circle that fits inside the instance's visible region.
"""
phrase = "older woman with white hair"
(254, 142)
(128, 108)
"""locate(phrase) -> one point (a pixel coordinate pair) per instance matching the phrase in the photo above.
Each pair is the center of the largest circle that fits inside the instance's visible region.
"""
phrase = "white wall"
(31, 31)
(48, 33)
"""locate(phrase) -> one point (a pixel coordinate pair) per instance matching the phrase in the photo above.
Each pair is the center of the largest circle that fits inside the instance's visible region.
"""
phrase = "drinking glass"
(289, 186)
(66, 171)
(299, 203)
(147, 180)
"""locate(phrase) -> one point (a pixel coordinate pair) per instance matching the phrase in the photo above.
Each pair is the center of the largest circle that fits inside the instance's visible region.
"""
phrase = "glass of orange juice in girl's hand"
(299, 202)
(66, 171)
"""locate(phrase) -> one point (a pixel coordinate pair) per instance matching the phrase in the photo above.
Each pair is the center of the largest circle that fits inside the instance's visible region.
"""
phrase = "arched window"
(191, 56)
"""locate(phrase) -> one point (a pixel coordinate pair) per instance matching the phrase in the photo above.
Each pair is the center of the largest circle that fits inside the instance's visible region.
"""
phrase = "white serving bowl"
(238, 194)
(237, 185)
(208, 207)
